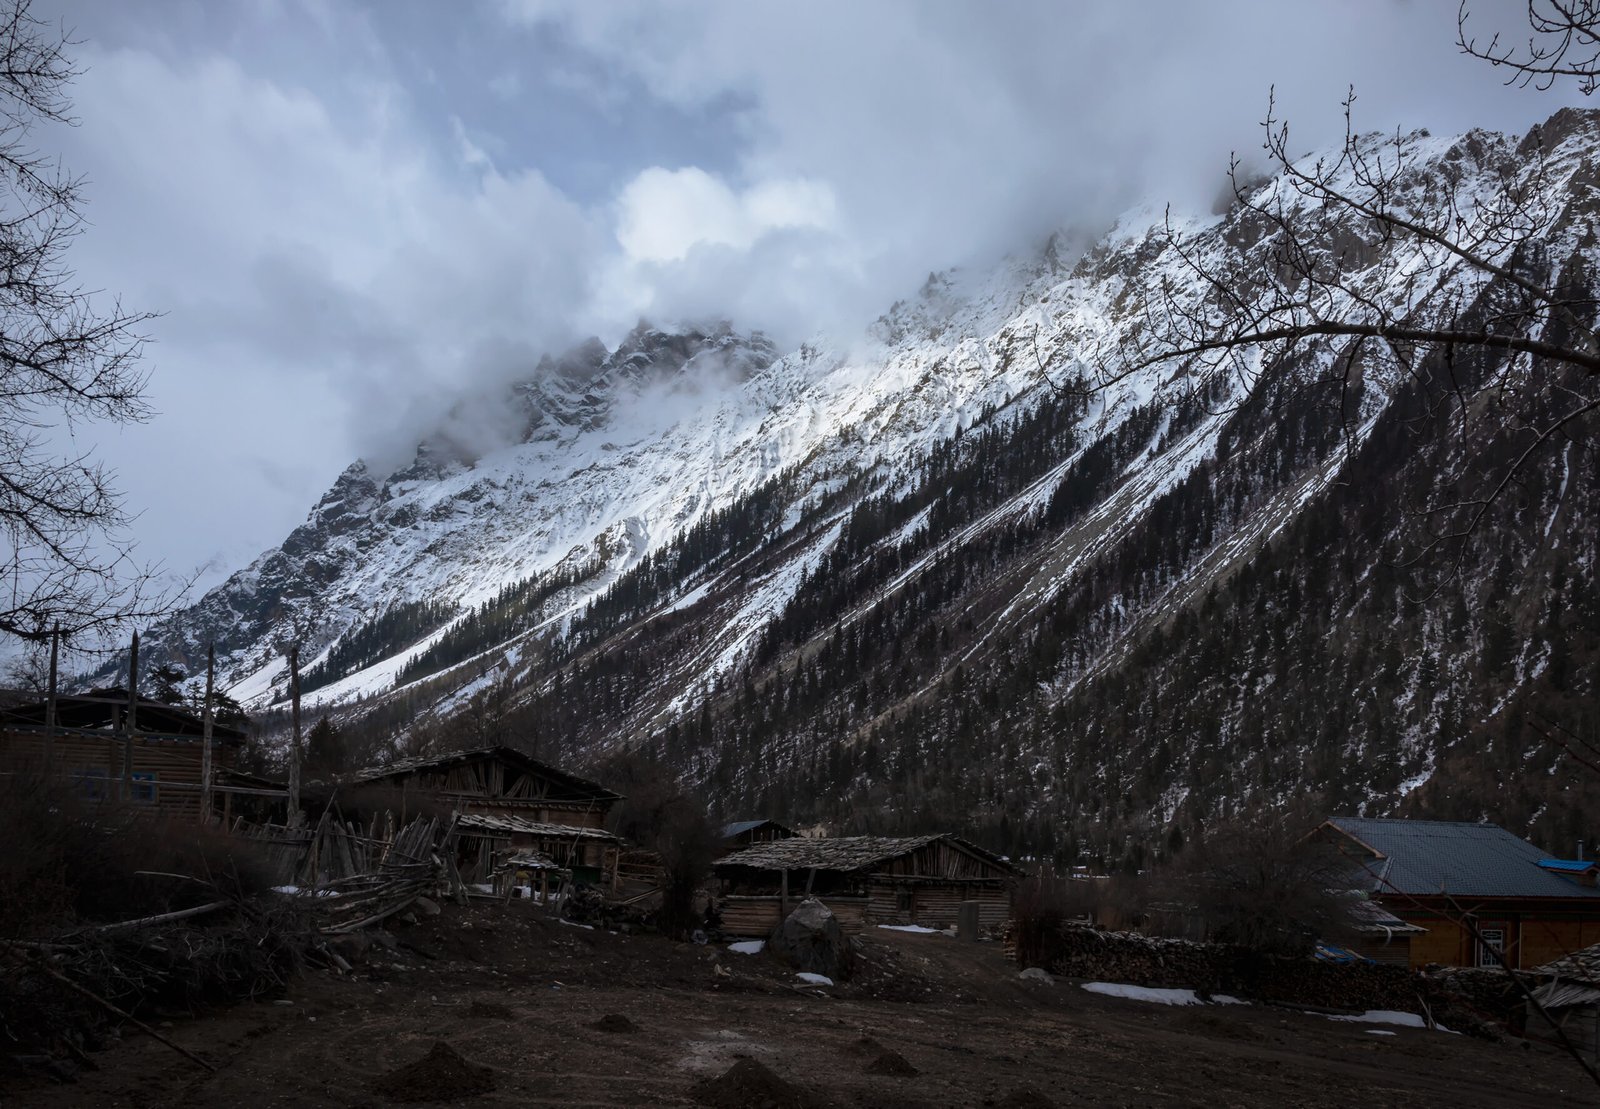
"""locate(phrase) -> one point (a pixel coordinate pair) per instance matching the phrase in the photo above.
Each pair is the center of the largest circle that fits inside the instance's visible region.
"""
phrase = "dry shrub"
(72, 865)
(1259, 884)
(70, 861)
(1041, 903)
(657, 814)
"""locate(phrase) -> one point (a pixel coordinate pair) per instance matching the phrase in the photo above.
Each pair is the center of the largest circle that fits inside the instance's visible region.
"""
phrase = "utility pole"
(50, 700)
(205, 734)
(295, 817)
(131, 722)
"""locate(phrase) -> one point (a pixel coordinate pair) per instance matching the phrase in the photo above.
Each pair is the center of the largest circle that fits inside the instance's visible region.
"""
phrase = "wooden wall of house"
(487, 785)
(760, 915)
(942, 859)
(1544, 940)
(95, 763)
(936, 904)
(1537, 937)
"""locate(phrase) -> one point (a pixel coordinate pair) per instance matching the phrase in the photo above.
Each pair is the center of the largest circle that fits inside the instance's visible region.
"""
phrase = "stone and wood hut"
(512, 812)
(864, 880)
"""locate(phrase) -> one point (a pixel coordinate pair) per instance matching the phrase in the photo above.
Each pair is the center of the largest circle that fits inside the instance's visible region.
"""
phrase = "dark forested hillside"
(933, 586)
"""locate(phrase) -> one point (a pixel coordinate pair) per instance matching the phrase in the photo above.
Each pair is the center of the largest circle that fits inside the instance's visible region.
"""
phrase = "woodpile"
(374, 879)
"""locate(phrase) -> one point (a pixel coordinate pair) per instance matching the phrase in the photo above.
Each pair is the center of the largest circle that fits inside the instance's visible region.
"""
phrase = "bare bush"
(70, 861)
(658, 815)
(1260, 885)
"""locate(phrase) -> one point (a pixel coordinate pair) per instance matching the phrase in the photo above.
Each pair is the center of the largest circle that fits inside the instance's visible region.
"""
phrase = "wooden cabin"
(150, 753)
(864, 880)
(1476, 894)
(509, 805)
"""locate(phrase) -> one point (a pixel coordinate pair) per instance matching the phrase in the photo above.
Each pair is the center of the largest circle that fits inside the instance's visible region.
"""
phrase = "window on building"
(144, 787)
(1492, 944)
(91, 783)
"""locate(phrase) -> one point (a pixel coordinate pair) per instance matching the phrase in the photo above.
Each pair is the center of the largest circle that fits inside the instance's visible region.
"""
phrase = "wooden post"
(50, 698)
(205, 737)
(295, 817)
(131, 722)
(783, 898)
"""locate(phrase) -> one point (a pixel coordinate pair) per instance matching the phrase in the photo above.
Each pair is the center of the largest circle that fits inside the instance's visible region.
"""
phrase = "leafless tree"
(1334, 272)
(65, 360)
(1563, 44)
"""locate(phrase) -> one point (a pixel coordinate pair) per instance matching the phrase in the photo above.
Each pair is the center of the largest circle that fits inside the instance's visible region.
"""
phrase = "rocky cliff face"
(927, 580)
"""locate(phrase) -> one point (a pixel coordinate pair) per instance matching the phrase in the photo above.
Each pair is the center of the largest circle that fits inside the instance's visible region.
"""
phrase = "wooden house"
(509, 806)
(864, 880)
(150, 753)
(1477, 893)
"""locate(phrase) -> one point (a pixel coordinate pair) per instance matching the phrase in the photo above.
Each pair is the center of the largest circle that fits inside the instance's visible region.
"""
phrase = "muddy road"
(500, 1006)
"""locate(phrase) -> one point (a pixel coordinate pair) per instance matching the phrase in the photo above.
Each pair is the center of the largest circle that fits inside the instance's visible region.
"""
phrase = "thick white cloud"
(327, 284)
(351, 213)
(663, 214)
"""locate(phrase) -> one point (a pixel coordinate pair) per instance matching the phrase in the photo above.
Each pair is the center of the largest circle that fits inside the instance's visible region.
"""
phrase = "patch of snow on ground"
(1159, 996)
(747, 947)
(814, 979)
(920, 928)
(575, 924)
(1390, 1016)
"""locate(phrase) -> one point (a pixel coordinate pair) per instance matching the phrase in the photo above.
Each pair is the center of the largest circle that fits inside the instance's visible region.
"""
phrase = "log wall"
(759, 916)
(95, 763)
(936, 904)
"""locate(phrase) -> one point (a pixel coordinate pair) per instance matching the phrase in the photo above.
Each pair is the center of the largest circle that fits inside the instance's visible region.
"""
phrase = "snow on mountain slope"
(618, 453)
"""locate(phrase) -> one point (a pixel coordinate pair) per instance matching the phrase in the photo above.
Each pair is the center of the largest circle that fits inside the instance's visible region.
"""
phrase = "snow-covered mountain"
(840, 579)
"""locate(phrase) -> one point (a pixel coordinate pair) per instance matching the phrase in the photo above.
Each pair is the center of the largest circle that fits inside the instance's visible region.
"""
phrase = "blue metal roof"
(1574, 866)
(739, 827)
(1426, 858)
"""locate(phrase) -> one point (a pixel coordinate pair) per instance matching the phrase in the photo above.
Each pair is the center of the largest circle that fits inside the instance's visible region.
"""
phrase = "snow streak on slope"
(624, 451)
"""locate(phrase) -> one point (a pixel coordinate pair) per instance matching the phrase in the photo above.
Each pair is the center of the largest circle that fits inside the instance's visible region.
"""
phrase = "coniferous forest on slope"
(1351, 660)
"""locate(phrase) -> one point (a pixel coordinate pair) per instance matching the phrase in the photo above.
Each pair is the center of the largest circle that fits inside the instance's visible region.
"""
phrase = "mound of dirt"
(615, 1022)
(749, 1085)
(440, 1075)
(867, 1046)
(1025, 1097)
(892, 1062)
(490, 1010)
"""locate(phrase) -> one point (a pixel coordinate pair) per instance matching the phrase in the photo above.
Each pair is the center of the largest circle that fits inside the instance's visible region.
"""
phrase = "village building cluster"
(506, 825)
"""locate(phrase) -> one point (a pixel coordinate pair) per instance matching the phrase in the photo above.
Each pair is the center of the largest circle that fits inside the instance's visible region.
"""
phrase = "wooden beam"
(205, 736)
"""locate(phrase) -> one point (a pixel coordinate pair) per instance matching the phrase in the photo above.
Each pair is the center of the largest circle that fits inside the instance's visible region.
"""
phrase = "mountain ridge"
(907, 527)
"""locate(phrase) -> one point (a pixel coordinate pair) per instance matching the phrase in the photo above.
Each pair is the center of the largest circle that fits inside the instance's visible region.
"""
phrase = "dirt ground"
(500, 1005)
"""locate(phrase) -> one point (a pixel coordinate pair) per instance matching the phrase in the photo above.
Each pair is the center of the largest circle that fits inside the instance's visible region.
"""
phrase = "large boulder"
(811, 940)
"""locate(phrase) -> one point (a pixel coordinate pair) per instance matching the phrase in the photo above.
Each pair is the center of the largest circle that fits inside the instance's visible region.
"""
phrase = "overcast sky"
(349, 210)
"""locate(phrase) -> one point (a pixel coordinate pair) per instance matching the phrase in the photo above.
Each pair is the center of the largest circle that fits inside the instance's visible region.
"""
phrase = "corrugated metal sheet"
(1430, 857)
(1569, 866)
